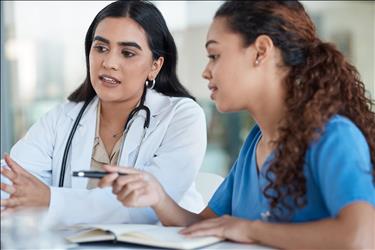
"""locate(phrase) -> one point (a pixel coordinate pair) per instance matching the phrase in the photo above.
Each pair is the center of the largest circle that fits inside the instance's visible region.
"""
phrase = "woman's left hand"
(26, 190)
(227, 227)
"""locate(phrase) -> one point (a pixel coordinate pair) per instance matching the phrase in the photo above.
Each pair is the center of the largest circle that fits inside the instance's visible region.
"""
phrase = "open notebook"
(150, 235)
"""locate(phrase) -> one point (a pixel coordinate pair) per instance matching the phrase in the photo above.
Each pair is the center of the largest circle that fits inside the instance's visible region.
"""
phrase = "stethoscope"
(68, 145)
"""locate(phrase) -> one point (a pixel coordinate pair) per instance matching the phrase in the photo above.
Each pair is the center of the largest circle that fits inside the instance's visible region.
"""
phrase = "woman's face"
(121, 60)
(234, 79)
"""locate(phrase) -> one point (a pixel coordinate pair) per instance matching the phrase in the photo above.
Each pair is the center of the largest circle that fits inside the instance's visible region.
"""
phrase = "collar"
(155, 101)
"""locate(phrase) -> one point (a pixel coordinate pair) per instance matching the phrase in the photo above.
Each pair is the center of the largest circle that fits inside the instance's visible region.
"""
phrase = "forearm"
(171, 214)
(326, 234)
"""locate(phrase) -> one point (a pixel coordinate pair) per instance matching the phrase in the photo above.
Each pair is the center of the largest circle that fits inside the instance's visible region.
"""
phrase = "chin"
(108, 98)
(225, 107)
(221, 107)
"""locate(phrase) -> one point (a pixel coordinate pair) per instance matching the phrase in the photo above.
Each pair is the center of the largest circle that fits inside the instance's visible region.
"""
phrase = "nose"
(110, 62)
(206, 74)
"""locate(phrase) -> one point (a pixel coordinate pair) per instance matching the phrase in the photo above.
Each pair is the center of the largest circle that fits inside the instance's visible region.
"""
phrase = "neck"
(117, 112)
(269, 112)
(269, 125)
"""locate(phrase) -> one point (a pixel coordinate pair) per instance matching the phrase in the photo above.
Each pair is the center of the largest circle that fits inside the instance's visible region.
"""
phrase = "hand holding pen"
(133, 188)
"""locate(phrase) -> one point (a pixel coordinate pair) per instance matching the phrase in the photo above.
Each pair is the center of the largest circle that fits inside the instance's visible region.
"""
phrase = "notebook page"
(169, 237)
(121, 229)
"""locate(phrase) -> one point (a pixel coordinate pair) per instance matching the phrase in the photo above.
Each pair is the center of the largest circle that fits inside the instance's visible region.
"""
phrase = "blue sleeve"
(341, 165)
(221, 201)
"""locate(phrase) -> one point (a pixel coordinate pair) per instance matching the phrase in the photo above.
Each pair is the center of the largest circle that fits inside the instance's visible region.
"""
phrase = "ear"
(264, 49)
(155, 68)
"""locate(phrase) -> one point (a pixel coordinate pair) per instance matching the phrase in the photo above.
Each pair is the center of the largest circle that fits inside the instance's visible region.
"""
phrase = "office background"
(42, 60)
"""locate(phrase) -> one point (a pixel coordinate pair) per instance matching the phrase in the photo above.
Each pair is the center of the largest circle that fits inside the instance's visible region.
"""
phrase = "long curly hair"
(321, 83)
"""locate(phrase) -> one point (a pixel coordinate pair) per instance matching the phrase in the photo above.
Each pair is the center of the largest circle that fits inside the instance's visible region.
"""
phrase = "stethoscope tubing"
(68, 145)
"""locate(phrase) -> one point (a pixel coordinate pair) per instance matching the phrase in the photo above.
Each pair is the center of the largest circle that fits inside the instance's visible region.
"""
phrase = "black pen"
(92, 174)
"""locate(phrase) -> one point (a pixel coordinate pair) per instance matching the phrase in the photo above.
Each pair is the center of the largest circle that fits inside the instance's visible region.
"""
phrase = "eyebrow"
(210, 42)
(131, 44)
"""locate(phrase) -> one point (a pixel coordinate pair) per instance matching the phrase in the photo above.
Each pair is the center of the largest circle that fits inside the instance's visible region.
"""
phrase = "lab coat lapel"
(83, 143)
(156, 102)
(133, 138)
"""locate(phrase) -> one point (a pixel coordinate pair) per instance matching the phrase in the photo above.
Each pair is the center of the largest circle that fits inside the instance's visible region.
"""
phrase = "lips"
(109, 79)
(213, 89)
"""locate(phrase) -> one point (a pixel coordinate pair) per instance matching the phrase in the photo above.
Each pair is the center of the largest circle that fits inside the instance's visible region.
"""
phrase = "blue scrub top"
(337, 169)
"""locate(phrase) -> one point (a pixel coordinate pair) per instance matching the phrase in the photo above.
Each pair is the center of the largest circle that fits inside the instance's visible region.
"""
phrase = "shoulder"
(341, 130)
(341, 124)
(64, 108)
(175, 106)
(60, 114)
(186, 112)
(57, 110)
(341, 142)
(186, 105)
(158, 101)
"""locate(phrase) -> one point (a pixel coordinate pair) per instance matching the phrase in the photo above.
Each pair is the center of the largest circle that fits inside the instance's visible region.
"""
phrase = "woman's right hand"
(135, 189)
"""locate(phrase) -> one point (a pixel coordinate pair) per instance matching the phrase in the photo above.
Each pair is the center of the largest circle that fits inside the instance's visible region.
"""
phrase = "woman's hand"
(26, 190)
(226, 227)
(135, 189)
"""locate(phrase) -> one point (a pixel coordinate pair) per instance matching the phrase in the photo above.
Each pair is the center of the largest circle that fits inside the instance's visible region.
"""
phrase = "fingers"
(136, 198)
(11, 203)
(133, 188)
(122, 181)
(7, 188)
(110, 168)
(211, 231)
(13, 165)
(107, 180)
(122, 170)
(8, 173)
(114, 179)
(7, 211)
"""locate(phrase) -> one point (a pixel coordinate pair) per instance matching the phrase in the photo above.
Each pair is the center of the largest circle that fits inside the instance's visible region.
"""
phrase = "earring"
(150, 86)
(256, 62)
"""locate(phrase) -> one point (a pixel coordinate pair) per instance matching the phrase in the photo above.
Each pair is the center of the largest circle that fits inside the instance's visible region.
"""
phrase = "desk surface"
(221, 245)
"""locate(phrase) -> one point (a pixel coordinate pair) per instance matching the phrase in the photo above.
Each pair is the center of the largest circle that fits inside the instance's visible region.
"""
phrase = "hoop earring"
(152, 85)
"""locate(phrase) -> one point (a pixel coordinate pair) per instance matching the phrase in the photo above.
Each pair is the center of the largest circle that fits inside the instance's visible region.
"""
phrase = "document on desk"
(143, 234)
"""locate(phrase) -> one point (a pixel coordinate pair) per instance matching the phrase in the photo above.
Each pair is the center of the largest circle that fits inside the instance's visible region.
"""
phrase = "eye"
(213, 57)
(128, 53)
(100, 48)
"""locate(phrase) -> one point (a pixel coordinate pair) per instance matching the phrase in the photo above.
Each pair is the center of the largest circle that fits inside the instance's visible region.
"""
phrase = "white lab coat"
(172, 150)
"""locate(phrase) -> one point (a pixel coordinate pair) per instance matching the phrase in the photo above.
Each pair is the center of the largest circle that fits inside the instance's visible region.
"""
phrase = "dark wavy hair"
(320, 84)
(159, 40)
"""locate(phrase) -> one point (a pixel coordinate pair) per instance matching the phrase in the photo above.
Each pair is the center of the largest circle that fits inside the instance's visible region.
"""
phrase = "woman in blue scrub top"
(304, 177)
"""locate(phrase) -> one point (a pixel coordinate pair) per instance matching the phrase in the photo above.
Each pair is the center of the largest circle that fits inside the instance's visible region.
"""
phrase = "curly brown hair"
(321, 83)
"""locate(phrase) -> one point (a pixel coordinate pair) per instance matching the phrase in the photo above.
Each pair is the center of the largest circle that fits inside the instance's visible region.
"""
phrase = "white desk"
(222, 245)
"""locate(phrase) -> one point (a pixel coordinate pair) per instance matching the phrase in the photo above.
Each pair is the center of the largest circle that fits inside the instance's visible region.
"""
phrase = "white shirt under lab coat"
(172, 150)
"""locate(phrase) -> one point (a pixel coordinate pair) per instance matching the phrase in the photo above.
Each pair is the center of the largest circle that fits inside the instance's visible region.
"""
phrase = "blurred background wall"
(42, 60)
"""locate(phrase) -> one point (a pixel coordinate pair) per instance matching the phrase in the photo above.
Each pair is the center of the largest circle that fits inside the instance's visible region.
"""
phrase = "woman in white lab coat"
(131, 62)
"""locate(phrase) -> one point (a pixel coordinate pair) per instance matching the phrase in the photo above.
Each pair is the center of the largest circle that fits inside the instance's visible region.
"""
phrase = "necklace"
(113, 135)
